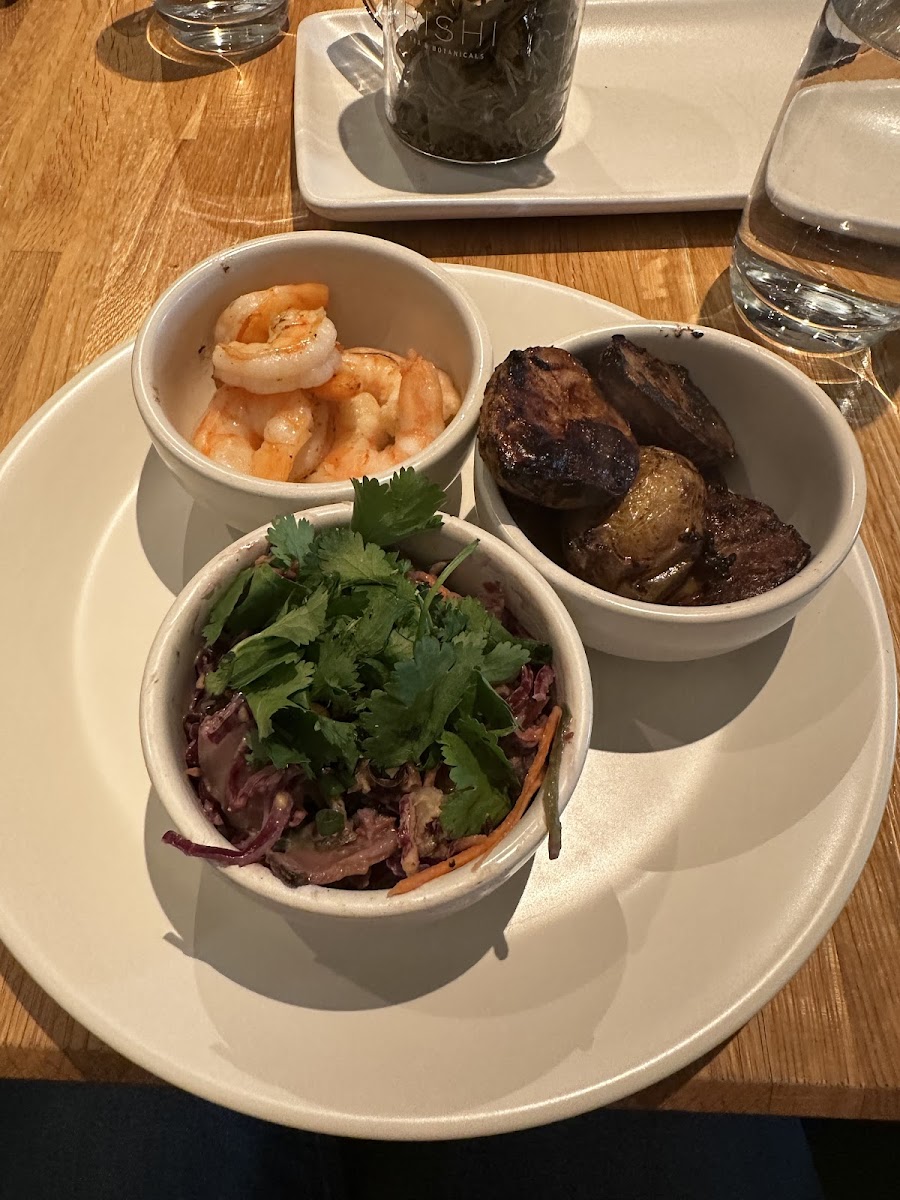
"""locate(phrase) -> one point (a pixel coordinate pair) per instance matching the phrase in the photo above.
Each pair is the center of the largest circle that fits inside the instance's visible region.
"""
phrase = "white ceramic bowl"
(795, 452)
(168, 681)
(382, 295)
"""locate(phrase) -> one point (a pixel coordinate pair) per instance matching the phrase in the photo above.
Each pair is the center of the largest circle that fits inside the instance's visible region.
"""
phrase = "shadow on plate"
(863, 385)
(525, 1006)
(377, 153)
(453, 498)
(642, 707)
(313, 961)
(178, 535)
(790, 752)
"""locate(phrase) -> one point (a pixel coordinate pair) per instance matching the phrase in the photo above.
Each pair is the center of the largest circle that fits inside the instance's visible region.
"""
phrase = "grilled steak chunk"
(546, 433)
(662, 404)
(748, 552)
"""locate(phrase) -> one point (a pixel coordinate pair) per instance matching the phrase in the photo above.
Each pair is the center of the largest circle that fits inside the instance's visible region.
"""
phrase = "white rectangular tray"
(671, 108)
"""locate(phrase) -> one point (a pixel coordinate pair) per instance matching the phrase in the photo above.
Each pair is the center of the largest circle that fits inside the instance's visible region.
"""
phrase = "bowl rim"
(162, 429)
(821, 566)
(165, 769)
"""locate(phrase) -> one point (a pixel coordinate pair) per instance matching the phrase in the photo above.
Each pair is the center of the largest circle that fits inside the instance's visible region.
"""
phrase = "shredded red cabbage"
(253, 852)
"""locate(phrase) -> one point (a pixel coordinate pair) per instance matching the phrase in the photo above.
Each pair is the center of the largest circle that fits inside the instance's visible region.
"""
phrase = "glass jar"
(478, 81)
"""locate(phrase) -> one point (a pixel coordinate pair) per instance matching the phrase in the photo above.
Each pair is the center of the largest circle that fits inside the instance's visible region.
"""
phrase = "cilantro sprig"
(342, 658)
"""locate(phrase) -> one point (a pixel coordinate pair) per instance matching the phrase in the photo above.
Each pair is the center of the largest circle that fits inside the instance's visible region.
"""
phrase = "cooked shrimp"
(275, 341)
(450, 396)
(420, 408)
(363, 370)
(358, 433)
(419, 421)
(278, 437)
(378, 372)
(248, 318)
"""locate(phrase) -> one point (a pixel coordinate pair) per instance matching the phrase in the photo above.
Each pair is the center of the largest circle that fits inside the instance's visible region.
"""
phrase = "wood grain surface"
(124, 160)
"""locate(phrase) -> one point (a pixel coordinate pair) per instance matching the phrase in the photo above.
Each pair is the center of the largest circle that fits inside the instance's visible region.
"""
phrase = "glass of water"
(816, 263)
(223, 26)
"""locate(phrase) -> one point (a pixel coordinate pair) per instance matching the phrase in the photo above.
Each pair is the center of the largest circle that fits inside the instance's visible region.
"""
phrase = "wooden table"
(119, 168)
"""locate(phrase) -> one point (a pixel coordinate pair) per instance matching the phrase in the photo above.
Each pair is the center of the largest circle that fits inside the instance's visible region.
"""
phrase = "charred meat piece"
(749, 551)
(662, 404)
(546, 433)
(646, 546)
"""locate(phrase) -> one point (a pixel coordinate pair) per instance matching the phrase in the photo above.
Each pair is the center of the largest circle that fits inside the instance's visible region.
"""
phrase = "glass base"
(223, 27)
(799, 314)
(476, 162)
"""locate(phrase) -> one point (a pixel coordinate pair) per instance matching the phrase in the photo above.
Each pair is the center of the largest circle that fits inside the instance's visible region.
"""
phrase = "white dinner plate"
(671, 107)
(726, 811)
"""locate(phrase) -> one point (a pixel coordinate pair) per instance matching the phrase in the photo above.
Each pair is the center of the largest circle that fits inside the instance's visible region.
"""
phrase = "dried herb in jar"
(484, 80)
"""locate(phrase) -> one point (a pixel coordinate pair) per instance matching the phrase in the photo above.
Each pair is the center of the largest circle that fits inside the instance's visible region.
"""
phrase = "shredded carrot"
(532, 782)
(411, 882)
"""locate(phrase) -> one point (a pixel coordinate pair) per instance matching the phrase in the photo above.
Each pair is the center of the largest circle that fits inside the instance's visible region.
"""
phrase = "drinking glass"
(478, 81)
(816, 262)
(223, 26)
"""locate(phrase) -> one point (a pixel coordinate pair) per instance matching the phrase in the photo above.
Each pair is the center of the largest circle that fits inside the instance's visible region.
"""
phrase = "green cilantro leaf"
(504, 662)
(385, 611)
(341, 739)
(385, 513)
(343, 554)
(290, 539)
(266, 597)
(479, 801)
(480, 622)
(411, 713)
(300, 625)
(311, 739)
(434, 590)
(246, 663)
(276, 691)
(277, 752)
(223, 605)
(485, 745)
(337, 674)
(483, 703)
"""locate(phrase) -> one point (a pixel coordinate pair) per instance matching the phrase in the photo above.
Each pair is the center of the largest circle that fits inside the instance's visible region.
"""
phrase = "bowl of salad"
(370, 710)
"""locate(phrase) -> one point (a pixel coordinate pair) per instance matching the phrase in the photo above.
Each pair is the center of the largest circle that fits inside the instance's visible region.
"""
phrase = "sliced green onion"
(551, 788)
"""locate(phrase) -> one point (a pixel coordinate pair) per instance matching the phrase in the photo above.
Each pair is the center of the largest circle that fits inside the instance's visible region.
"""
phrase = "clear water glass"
(224, 26)
(816, 263)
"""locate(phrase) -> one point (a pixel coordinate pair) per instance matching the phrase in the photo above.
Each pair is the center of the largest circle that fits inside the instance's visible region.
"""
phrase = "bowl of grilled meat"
(685, 491)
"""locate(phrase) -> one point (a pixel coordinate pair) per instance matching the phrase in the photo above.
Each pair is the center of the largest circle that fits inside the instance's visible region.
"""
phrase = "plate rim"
(508, 1117)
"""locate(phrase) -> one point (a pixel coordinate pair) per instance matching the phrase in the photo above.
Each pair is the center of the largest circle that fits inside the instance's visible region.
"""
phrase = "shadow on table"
(862, 385)
(658, 1095)
(139, 45)
(79, 1058)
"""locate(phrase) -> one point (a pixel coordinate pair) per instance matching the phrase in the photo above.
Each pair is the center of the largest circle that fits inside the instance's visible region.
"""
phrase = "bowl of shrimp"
(272, 373)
